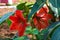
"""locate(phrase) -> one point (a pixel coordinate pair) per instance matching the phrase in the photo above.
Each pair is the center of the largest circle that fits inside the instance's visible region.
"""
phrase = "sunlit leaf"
(35, 31)
(3, 18)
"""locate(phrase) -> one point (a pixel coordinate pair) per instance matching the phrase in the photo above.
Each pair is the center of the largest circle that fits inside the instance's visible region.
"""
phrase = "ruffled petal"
(35, 21)
(44, 10)
(38, 26)
(49, 16)
(40, 14)
(45, 20)
(19, 14)
(22, 29)
(13, 19)
(14, 26)
(41, 24)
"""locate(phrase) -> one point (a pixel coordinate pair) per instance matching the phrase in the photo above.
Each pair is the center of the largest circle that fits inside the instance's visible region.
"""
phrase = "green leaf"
(21, 38)
(59, 11)
(35, 31)
(38, 4)
(28, 30)
(43, 31)
(8, 22)
(25, 8)
(41, 35)
(39, 1)
(21, 6)
(56, 34)
(30, 6)
(51, 29)
(55, 3)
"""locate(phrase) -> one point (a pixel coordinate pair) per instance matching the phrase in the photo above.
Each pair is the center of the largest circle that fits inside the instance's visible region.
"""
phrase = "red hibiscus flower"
(41, 18)
(18, 22)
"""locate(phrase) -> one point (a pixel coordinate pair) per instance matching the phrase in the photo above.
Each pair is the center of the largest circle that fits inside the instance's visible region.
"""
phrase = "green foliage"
(8, 22)
(41, 35)
(29, 30)
(56, 34)
(59, 11)
(50, 33)
(21, 38)
(40, 1)
(21, 6)
(51, 30)
(25, 8)
(35, 31)
(55, 3)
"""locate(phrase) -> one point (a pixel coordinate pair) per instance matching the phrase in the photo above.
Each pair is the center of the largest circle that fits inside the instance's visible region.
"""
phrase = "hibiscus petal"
(41, 14)
(44, 10)
(44, 20)
(49, 16)
(22, 29)
(35, 21)
(14, 26)
(43, 25)
(19, 14)
(13, 19)
(38, 26)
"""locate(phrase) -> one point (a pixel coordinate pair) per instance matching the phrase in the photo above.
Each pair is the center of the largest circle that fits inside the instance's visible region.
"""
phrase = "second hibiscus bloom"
(41, 18)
